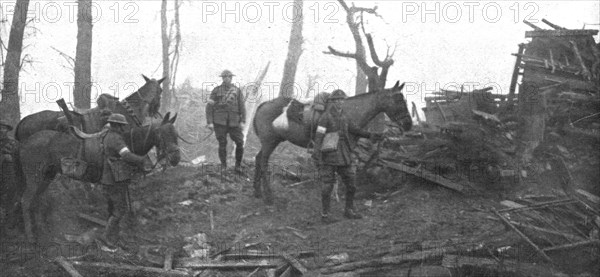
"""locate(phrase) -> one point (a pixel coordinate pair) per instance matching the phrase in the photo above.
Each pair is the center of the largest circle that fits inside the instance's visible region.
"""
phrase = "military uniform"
(115, 189)
(227, 111)
(339, 160)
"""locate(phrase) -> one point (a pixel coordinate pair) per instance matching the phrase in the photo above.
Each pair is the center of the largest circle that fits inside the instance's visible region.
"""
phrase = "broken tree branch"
(334, 52)
(132, 270)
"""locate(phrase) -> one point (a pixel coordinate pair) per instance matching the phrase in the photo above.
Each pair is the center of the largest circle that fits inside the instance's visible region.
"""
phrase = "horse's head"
(147, 97)
(167, 140)
(394, 106)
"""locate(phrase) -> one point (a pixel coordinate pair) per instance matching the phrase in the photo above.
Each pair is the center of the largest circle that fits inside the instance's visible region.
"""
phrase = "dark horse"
(40, 159)
(359, 109)
(144, 102)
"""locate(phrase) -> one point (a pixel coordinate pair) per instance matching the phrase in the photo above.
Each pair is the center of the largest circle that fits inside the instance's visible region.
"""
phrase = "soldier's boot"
(111, 233)
(223, 156)
(239, 154)
(350, 212)
(326, 203)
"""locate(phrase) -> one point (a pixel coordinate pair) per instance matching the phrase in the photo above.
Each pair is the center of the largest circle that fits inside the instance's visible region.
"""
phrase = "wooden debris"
(90, 218)
(523, 236)
(425, 174)
(301, 183)
(410, 258)
(203, 264)
(168, 264)
(67, 266)
(132, 270)
(502, 267)
(560, 33)
(295, 263)
(512, 204)
(573, 245)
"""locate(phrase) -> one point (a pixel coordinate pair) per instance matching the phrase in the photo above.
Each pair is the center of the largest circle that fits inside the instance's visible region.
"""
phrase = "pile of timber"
(560, 71)
(461, 156)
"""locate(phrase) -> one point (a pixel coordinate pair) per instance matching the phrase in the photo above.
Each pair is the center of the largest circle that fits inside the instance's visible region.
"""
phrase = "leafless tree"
(83, 56)
(294, 52)
(9, 105)
(170, 57)
(376, 74)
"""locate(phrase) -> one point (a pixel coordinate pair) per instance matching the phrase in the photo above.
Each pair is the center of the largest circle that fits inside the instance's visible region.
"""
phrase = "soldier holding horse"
(333, 154)
(359, 109)
(118, 166)
(44, 154)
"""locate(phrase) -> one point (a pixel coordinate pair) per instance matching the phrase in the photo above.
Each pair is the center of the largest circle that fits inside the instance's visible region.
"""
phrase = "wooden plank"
(295, 263)
(223, 265)
(540, 251)
(90, 218)
(560, 33)
(593, 198)
(168, 265)
(67, 266)
(573, 245)
(425, 174)
(132, 270)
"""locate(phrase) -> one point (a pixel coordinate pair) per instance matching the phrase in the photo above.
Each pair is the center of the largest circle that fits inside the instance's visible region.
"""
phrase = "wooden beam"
(295, 263)
(560, 33)
(90, 218)
(556, 27)
(132, 270)
(223, 265)
(67, 266)
(573, 245)
(515, 76)
(425, 174)
(523, 236)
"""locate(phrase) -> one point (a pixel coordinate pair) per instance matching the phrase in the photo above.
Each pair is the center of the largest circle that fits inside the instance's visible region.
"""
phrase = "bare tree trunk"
(294, 52)
(166, 96)
(9, 105)
(361, 81)
(82, 89)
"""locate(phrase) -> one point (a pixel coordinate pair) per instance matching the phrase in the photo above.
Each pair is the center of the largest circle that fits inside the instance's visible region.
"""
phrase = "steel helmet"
(226, 73)
(117, 118)
(5, 124)
(337, 94)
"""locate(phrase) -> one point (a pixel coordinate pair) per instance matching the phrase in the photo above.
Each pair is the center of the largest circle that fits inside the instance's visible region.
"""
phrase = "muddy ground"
(401, 213)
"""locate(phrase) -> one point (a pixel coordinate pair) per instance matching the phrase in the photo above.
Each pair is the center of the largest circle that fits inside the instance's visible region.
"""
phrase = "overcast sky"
(437, 43)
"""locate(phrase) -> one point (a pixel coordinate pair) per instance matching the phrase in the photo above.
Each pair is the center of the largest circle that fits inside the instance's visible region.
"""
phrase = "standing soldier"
(119, 166)
(8, 181)
(332, 153)
(226, 114)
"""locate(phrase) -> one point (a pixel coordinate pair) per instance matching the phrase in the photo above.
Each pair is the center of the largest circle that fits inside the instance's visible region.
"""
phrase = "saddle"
(307, 113)
(88, 164)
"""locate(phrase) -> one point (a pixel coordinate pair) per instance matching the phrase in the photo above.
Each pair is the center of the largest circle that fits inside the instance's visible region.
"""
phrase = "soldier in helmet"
(337, 159)
(226, 114)
(119, 164)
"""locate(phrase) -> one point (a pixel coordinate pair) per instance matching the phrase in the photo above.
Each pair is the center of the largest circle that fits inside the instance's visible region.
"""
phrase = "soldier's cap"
(5, 124)
(226, 73)
(117, 118)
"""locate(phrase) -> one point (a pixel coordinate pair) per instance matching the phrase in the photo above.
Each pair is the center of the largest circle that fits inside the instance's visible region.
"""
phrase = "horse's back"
(29, 125)
(266, 113)
(47, 146)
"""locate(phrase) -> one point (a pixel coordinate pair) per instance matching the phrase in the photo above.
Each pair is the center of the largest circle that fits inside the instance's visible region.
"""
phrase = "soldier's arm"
(322, 126)
(210, 106)
(242, 106)
(125, 153)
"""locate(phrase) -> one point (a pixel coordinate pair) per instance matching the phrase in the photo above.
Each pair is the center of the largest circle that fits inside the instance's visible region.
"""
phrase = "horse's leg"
(267, 150)
(36, 181)
(38, 219)
(257, 174)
